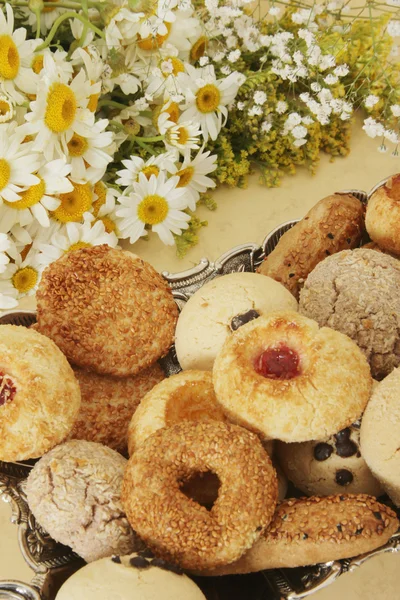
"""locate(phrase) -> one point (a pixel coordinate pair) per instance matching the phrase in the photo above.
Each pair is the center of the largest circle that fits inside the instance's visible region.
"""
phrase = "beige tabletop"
(247, 216)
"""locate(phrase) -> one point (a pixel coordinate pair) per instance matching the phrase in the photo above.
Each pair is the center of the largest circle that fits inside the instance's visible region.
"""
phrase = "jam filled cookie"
(220, 307)
(357, 292)
(108, 310)
(39, 395)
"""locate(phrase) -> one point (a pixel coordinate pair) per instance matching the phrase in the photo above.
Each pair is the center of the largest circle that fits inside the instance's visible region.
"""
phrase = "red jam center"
(7, 389)
(279, 362)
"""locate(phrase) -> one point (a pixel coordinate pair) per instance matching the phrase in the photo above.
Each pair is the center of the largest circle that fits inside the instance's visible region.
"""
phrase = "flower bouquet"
(118, 116)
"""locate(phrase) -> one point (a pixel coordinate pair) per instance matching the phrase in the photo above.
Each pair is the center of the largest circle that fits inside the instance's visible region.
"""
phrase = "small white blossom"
(255, 110)
(393, 3)
(299, 142)
(372, 128)
(371, 100)
(393, 28)
(240, 105)
(331, 79)
(231, 41)
(299, 132)
(382, 148)
(265, 126)
(226, 70)
(327, 62)
(307, 120)
(234, 56)
(218, 56)
(341, 70)
(395, 108)
(281, 107)
(266, 40)
(307, 36)
(391, 136)
(260, 97)
(274, 11)
(203, 61)
(316, 87)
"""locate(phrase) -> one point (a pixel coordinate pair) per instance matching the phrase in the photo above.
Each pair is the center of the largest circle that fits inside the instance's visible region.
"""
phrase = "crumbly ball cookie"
(357, 292)
(108, 404)
(382, 218)
(74, 493)
(39, 395)
(108, 310)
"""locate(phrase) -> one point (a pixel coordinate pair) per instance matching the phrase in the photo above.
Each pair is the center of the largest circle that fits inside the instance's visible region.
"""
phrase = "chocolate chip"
(358, 531)
(343, 435)
(322, 451)
(378, 516)
(162, 564)
(116, 559)
(348, 240)
(346, 448)
(327, 252)
(330, 236)
(357, 424)
(305, 536)
(246, 317)
(343, 477)
(146, 553)
(139, 562)
(291, 274)
(342, 498)
(339, 527)
(259, 528)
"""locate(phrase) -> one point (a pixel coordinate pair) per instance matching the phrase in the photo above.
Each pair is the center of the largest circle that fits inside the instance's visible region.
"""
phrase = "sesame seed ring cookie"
(177, 528)
(307, 531)
(107, 310)
(287, 379)
(187, 396)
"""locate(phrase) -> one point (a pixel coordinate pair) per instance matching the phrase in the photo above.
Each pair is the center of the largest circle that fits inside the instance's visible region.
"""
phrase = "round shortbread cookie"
(380, 434)
(220, 307)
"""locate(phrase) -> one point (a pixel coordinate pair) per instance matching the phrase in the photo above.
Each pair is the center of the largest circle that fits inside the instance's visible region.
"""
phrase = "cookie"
(220, 307)
(39, 395)
(137, 576)
(335, 223)
(186, 396)
(285, 378)
(108, 404)
(382, 218)
(74, 494)
(380, 434)
(330, 466)
(108, 310)
(308, 531)
(356, 292)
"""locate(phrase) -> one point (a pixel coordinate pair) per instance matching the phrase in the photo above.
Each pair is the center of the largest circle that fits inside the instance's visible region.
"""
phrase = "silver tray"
(52, 563)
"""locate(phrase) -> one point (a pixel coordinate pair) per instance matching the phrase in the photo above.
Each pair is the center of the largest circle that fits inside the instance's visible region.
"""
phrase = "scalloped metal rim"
(199, 274)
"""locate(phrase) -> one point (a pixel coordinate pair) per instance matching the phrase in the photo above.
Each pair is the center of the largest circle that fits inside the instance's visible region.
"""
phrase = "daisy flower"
(64, 66)
(48, 15)
(60, 110)
(36, 201)
(17, 164)
(94, 67)
(153, 166)
(192, 175)
(75, 236)
(74, 204)
(7, 109)
(166, 116)
(16, 51)
(89, 156)
(183, 136)
(154, 203)
(104, 206)
(5, 245)
(21, 278)
(207, 98)
(77, 30)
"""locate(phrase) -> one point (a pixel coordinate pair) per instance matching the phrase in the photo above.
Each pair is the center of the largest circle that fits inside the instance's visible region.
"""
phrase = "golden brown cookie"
(174, 526)
(333, 224)
(39, 395)
(313, 530)
(285, 378)
(382, 218)
(108, 310)
(187, 396)
(108, 404)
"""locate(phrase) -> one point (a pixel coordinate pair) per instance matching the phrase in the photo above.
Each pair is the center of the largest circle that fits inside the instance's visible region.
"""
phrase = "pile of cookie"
(290, 373)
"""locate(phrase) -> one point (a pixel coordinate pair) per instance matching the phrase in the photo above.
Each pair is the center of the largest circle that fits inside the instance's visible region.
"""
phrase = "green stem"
(157, 138)
(37, 14)
(111, 103)
(117, 125)
(149, 149)
(60, 20)
(60, 4)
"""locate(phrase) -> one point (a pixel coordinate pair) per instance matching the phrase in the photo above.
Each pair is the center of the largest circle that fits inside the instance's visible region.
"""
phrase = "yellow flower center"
(154, 41)
(153, 210)
(198, 49)
(9, 58)
(101, 192)
(93, 101)
(185, 176)
(30, 197)
(24, 280)
(177, 66)
(37, 63)
(208, 98)
(172, 111)
(74, 204)
(78, 246)
(5, 172)
(150, 170)
(48, 9)
(61, 108)
(5, 107)
(183, 135)
(109, 224)
(77, 145)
